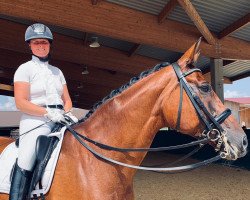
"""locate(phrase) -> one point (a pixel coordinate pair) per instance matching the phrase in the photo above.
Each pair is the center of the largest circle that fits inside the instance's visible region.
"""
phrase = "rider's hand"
(70, 118)
(55, 115)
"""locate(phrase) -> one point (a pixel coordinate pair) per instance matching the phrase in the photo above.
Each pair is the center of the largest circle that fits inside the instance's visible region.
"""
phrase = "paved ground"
(213, 182)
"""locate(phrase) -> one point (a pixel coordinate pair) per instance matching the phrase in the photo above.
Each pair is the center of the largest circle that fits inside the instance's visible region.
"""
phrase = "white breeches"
(27, 142)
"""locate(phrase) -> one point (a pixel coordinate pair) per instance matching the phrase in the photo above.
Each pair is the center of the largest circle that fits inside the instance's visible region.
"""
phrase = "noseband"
(213, 129)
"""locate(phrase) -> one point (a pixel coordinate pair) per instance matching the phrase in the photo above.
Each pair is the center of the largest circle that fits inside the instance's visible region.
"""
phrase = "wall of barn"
(245, 115)
(235, 107)
(240, 112)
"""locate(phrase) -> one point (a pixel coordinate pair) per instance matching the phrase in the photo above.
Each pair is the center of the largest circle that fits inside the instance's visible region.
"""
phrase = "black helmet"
(38, 31)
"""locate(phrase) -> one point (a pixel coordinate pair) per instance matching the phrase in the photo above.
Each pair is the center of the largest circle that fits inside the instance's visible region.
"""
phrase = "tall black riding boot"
(20, 183)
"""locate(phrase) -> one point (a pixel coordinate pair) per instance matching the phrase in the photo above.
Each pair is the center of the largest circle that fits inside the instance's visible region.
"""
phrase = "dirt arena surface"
(213, 182)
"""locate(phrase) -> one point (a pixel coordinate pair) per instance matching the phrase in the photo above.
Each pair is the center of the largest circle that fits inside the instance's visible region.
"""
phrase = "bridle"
(213, 132)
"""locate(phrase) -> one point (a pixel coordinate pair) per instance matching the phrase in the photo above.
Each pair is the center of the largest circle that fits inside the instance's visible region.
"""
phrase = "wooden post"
(216, 68)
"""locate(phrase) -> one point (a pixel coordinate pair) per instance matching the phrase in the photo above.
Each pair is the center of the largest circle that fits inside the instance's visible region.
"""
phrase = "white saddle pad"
(8, 159)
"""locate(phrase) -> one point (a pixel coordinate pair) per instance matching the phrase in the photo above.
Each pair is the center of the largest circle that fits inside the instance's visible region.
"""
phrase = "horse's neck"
(132, 118)
(4, 142)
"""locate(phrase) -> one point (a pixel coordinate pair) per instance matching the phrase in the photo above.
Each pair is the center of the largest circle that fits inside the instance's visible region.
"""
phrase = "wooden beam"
(227, 80)
(89, 94)
(11, 60)
(92, 89)
(84, 99)
(83, 104)
(94, 2)
(70, 49)
(166, 10)
(73, 85)
(7, 77)
(105, 19)
(207, 76)
(225, 62)
(1, 70)
(5, 80)
(134, 49)
(195, 17)
(84, 96)
(240, 23)
(6, 87)
(7, 93)
(85, 38)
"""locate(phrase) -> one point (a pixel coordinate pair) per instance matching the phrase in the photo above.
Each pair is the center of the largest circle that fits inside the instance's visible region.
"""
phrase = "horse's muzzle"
(233, 151)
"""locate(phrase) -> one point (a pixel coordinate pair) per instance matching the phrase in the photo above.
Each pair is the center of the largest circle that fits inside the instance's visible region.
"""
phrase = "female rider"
(41, 94)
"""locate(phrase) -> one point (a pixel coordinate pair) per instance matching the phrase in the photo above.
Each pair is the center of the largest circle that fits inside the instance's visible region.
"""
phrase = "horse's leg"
(4, 141)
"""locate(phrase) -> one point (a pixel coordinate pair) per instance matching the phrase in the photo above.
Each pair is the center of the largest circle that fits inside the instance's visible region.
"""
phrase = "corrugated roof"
(236, 68)
(158, 53)
(148, 6)
(217, 15)
(243, 33)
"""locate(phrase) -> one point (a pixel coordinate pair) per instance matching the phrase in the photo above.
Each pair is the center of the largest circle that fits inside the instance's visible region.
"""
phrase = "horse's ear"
(191, 55)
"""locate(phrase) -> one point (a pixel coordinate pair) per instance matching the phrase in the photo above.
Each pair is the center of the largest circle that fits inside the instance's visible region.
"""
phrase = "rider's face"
(40, 47)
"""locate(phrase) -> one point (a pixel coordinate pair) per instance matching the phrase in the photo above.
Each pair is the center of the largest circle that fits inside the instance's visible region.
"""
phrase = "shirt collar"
(36, 60)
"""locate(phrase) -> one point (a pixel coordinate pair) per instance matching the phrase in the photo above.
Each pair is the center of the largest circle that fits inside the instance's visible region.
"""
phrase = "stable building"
(241, 109)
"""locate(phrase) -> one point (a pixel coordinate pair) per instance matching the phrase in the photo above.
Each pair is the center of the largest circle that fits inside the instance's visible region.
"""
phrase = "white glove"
(54, 115)
(70, 118)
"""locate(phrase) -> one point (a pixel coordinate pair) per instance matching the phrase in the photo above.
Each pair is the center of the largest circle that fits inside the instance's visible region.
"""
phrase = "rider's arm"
(21, 94)
(66, 99)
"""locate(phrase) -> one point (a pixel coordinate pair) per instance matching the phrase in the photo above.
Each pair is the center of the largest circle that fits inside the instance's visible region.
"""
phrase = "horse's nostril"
(245, 142)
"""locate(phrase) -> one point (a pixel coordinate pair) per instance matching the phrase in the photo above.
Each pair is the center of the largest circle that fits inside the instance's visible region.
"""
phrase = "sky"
(240, 88)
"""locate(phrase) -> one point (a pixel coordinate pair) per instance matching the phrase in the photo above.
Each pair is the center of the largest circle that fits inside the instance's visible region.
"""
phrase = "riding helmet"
(36, 31)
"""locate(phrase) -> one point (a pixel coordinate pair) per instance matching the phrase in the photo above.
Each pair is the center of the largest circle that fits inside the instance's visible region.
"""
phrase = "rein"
(161, 169)
(16, 138)
(107, 147)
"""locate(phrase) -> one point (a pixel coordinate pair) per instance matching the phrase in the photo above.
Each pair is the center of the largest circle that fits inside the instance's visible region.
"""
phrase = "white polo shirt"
(46, 81)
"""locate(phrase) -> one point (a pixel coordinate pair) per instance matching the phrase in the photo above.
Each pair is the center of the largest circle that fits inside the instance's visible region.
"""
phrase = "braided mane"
(123, 87)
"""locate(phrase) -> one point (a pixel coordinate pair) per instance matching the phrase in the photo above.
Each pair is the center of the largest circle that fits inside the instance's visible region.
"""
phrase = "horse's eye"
(205, 88)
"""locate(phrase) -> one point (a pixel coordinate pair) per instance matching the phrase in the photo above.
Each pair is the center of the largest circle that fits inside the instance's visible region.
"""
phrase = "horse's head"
(195, 109)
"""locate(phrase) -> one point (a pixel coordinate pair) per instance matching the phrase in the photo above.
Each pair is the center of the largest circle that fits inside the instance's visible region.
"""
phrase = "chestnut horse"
(131, 119)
